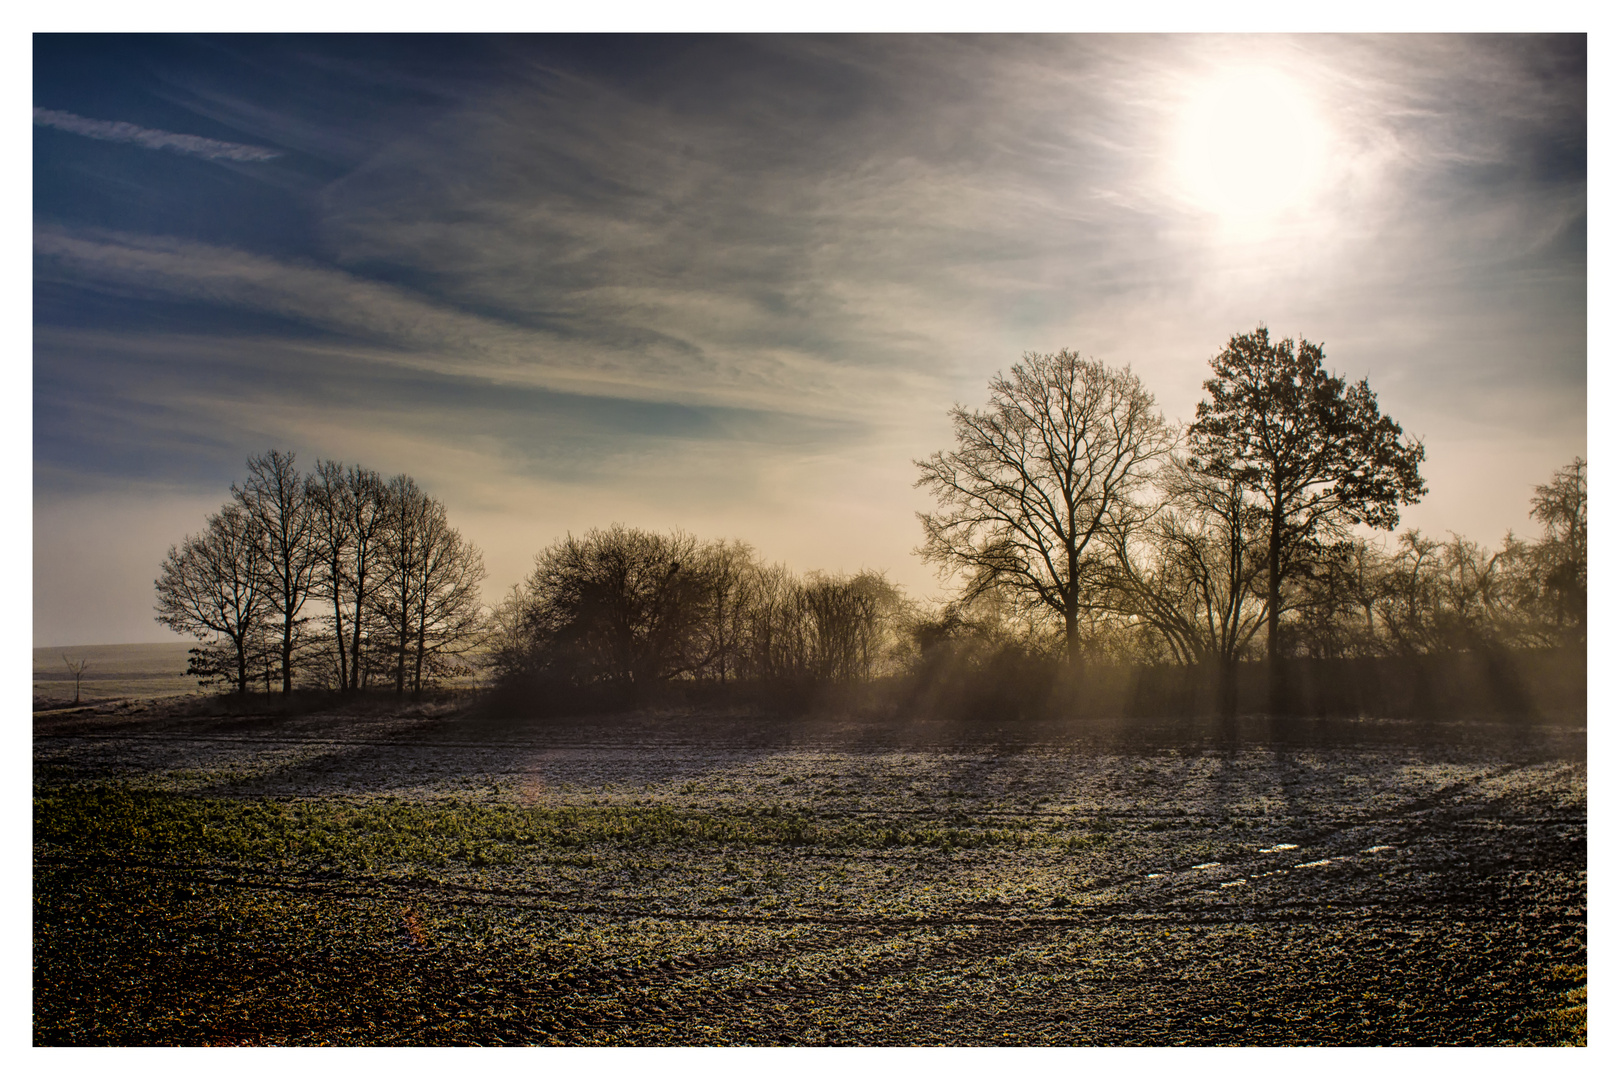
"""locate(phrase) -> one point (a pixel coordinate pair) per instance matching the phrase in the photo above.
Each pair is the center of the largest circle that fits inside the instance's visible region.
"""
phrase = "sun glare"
(1250, 146)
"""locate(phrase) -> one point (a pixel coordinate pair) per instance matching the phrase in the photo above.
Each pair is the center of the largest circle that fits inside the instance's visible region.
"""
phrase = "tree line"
(1074, 525)
(337, 579)
(631, 609)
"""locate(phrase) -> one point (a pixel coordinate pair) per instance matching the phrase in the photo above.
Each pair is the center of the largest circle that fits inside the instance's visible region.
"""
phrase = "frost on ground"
(719, 880)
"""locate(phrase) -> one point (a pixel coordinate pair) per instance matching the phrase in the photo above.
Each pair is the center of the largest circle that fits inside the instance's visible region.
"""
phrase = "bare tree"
(1195, 573)
(773, 638)
(1443, 595)
(849, 621)
(1040, 479)
(277, 500)
(617, 605)
(1333, 600)
(403, 548)
(351, 512)
(213, 586)
(328, 496)
(1561, 553)
(728, 590)
(75, 669)
(448, 610)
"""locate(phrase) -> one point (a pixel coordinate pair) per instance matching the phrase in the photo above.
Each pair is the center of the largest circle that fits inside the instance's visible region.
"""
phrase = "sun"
(1250, 146)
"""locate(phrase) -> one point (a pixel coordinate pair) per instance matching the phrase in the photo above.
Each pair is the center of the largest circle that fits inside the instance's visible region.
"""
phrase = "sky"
(733, 285)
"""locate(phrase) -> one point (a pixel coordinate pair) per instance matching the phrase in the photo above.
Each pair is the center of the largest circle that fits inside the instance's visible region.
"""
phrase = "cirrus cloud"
(150, 138)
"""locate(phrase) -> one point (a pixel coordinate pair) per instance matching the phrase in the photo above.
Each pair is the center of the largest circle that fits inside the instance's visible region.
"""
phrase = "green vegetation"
(341, 832)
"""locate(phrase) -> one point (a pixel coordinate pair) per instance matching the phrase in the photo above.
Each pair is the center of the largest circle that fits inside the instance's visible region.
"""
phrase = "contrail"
(118, 131)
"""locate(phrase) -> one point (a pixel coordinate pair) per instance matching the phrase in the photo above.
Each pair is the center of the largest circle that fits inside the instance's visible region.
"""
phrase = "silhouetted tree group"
(336, 579)
(1078, 525)
(627, 608)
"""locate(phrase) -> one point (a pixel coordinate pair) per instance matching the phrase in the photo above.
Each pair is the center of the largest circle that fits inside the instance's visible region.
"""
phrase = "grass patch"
(116, 820)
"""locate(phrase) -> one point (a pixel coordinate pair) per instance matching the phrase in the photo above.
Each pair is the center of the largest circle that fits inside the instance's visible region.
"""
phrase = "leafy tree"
(1314, 452)
(1040, 479)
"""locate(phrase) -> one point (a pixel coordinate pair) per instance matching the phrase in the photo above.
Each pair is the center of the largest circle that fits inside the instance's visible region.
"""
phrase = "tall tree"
(368, 510)
(277, 500)
(408, 512)
(448, 612)
(1040, 478)
(329, 496)
(211, 586)
(1315, 452)
(351, 508)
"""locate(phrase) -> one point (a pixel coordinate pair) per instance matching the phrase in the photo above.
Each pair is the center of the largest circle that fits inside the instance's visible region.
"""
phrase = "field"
(425, 876)
(111, 672)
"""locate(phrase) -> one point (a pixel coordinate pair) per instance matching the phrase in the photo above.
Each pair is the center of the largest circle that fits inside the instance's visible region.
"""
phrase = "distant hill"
(114, 671)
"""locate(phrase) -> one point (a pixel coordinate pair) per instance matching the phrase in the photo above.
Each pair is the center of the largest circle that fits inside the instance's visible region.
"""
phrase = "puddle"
(1206, 866)
(1233, 884)
(1155, 875)
(1318, 862)
(1278, 847)
(1377, 848)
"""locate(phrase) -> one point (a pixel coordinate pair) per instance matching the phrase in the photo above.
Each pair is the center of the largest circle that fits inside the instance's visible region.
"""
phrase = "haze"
(732, 285)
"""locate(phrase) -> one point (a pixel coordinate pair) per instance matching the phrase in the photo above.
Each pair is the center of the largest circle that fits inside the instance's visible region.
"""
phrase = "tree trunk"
(354, 650)
(1071, 613)
(337, 636)
(1226, 697)
(421, 646)
(399, 666)
(286, 656)
(1274, 672)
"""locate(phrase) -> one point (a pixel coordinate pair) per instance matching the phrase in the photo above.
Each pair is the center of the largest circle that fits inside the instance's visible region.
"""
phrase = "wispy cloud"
(408, 330)
(151, 138)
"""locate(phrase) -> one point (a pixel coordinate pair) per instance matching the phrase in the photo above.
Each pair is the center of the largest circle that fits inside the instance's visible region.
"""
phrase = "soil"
(424, 875)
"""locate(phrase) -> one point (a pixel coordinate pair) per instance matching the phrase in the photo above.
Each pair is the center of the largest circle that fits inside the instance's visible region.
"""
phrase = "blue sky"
(733, 284)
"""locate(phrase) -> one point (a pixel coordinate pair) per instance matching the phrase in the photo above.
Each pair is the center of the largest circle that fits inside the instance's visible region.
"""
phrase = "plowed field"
(658, 880)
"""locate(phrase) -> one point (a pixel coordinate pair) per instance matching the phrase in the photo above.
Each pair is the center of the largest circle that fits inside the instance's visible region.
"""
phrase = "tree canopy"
(1039, 479)
(1313, 450)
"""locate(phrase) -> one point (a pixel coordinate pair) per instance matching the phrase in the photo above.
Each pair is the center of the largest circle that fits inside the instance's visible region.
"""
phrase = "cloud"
(151, 139)
(631, 359)
(942, 205)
